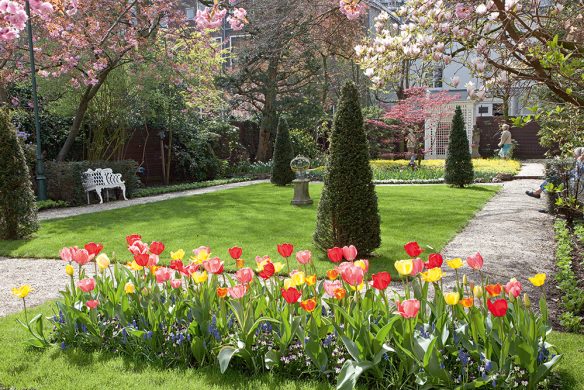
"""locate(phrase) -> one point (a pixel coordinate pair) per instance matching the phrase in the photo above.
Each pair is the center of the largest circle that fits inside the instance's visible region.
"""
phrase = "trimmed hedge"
(64, 178)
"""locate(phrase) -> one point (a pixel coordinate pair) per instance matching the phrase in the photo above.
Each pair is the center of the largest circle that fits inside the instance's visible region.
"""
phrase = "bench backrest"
(101, 177)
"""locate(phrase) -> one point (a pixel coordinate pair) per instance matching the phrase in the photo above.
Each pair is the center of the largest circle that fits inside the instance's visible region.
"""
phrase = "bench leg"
(87, 193)
(123, 187)
(99, 195)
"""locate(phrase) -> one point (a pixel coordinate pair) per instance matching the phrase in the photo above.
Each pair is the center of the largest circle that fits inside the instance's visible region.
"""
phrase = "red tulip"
(177, 265)
(244, 275)
(291, 295)
(381, 280)
(353, 275)
(190, 269)
(413, 249)
(92, 304)
(434, 261)
(138, 247)
(82, 256)
(268, 271)
(513, 287)
(335, 254)
(285, 250)
(156, 247)
(408, 308)
(235, 252)
(213, 266)
(133, 238)
(163, 274)
(309, 305)
(93, 248)
(497, 308)
(142, 259)
(475, 261)
(86, 285)
(349, 252)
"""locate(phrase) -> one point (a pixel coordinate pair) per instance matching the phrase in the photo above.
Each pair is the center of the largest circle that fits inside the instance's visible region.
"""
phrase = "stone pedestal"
(301, 196)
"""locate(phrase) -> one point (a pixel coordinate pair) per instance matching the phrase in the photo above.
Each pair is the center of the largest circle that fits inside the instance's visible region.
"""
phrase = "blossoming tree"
(500, 41)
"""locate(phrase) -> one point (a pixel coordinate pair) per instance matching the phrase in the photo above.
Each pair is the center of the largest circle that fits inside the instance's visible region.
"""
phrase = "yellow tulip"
(432, 275)
(477, 291)
(278, 266)
(526, 300)
(464, 280)
(452, 298)
(102, 261)
(358, 288)
(455, 263)
(298, 278)
(311, 280)
(134, 266)
(129, 288)
(361, 263)
(404, 267)
(538, 280)
(178, 255)
(288, 283)
(22, 291)
(69, 270)
(200, 277)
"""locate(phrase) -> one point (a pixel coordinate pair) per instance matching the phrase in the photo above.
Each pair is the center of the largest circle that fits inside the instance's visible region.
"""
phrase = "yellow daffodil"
(288, 283)
(178, 255)
(278, 266)
(477, 291)
(134, 266)
(432, 275)
(311, 280)
(298, 278)
(404, 267)
(102, 261)
(452, 298)
(455, 263)
(69, 270)
(129, 288)
(537, 280)
(361, 263)
(200, 277)
(22, 291)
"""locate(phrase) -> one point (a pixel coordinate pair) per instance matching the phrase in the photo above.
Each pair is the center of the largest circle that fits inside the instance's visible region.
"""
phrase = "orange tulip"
(221, 292)
(332, 274)
(311, 280)
(309, 305)
(239, 263)
(340, 293)
(467, 302)
(494, 289)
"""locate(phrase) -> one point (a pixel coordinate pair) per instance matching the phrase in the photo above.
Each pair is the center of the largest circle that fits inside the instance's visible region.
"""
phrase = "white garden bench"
(100, 179)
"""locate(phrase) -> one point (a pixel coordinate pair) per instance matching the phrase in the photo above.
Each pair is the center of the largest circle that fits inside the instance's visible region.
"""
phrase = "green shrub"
(347, 212)
(64, 179)
(458, 168)
(150, 191)
(51, 204)
(18, 212)
(281, 172)
(304, 144)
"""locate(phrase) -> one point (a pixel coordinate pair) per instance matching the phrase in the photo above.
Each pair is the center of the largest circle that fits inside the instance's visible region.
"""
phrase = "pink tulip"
(237, 291)
(163, 274)
(418, 266)
(244, 275)
(408, 308)
(513, 287)
(349, 252)
(138, 248)
(303, 257)
(353, 275)
(201, 249)
(66, 254)
(92, 304)
(475, 261)
(213, 266)
(175, 283)
(86, 285)
(331, 285)
(81, 256)
(153, 260)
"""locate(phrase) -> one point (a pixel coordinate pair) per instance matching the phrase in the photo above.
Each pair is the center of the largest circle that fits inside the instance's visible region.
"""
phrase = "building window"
(190, 12)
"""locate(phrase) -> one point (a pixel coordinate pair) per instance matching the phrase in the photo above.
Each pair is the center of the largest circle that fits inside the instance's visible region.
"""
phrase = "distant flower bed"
(353, 326)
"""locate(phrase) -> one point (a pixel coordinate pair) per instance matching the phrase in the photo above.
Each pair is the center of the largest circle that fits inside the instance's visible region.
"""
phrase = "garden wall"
(526, 136)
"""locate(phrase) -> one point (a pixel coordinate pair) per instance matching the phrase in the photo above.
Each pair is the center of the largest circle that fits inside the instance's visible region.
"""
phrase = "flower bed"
(350, 327)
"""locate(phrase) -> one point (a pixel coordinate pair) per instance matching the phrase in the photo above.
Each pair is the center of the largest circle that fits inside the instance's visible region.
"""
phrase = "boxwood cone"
(458, 170)
(281, 172)
(347, 212)
(18, 211)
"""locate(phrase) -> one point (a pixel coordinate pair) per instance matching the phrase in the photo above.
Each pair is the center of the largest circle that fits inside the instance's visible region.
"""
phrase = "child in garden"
(506, 142)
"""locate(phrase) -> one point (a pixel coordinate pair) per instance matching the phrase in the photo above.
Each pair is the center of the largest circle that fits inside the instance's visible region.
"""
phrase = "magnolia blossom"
(455, 80)
(352, 9)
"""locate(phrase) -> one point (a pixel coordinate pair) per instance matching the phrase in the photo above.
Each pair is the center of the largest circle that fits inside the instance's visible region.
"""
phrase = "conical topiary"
(281, 172)
(347, 212)
(459, 171)
(18, 212)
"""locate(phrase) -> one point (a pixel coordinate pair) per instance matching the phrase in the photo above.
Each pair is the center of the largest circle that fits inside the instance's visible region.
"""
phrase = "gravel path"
(513, 237)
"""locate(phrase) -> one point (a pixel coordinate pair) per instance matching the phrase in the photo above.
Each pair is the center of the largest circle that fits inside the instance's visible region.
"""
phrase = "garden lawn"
(23, 367)
(257, 218)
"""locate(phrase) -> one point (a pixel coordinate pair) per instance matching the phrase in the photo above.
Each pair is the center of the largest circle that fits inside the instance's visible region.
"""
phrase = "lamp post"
(40, 168)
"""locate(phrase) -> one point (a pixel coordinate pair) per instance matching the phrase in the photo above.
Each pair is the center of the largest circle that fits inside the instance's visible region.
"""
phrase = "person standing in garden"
(506, 142)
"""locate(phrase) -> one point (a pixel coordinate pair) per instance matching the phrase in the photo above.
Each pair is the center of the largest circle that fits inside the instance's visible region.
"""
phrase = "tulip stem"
(25, 313)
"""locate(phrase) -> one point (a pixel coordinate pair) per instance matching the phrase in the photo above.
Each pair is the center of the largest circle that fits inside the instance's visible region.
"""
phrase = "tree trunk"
(3, 94)
(269, 114)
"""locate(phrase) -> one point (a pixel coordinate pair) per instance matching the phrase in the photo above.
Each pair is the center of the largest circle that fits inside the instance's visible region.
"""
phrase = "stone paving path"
(514, 238)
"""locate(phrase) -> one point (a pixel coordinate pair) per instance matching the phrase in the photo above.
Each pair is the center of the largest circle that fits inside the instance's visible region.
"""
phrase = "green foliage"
(304, 144)
(283, 153)
(562, 129)
(458, 168)
(51, 204)
(150, 191)
(18, 211)
(348, 212)
(565, 188)
(64, 179)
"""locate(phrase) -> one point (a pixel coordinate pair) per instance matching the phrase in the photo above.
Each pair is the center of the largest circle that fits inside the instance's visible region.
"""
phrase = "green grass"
(22, 367)
(257, 218)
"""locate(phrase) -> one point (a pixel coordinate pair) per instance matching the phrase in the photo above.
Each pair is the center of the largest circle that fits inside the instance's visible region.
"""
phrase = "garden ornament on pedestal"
(300, 166)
